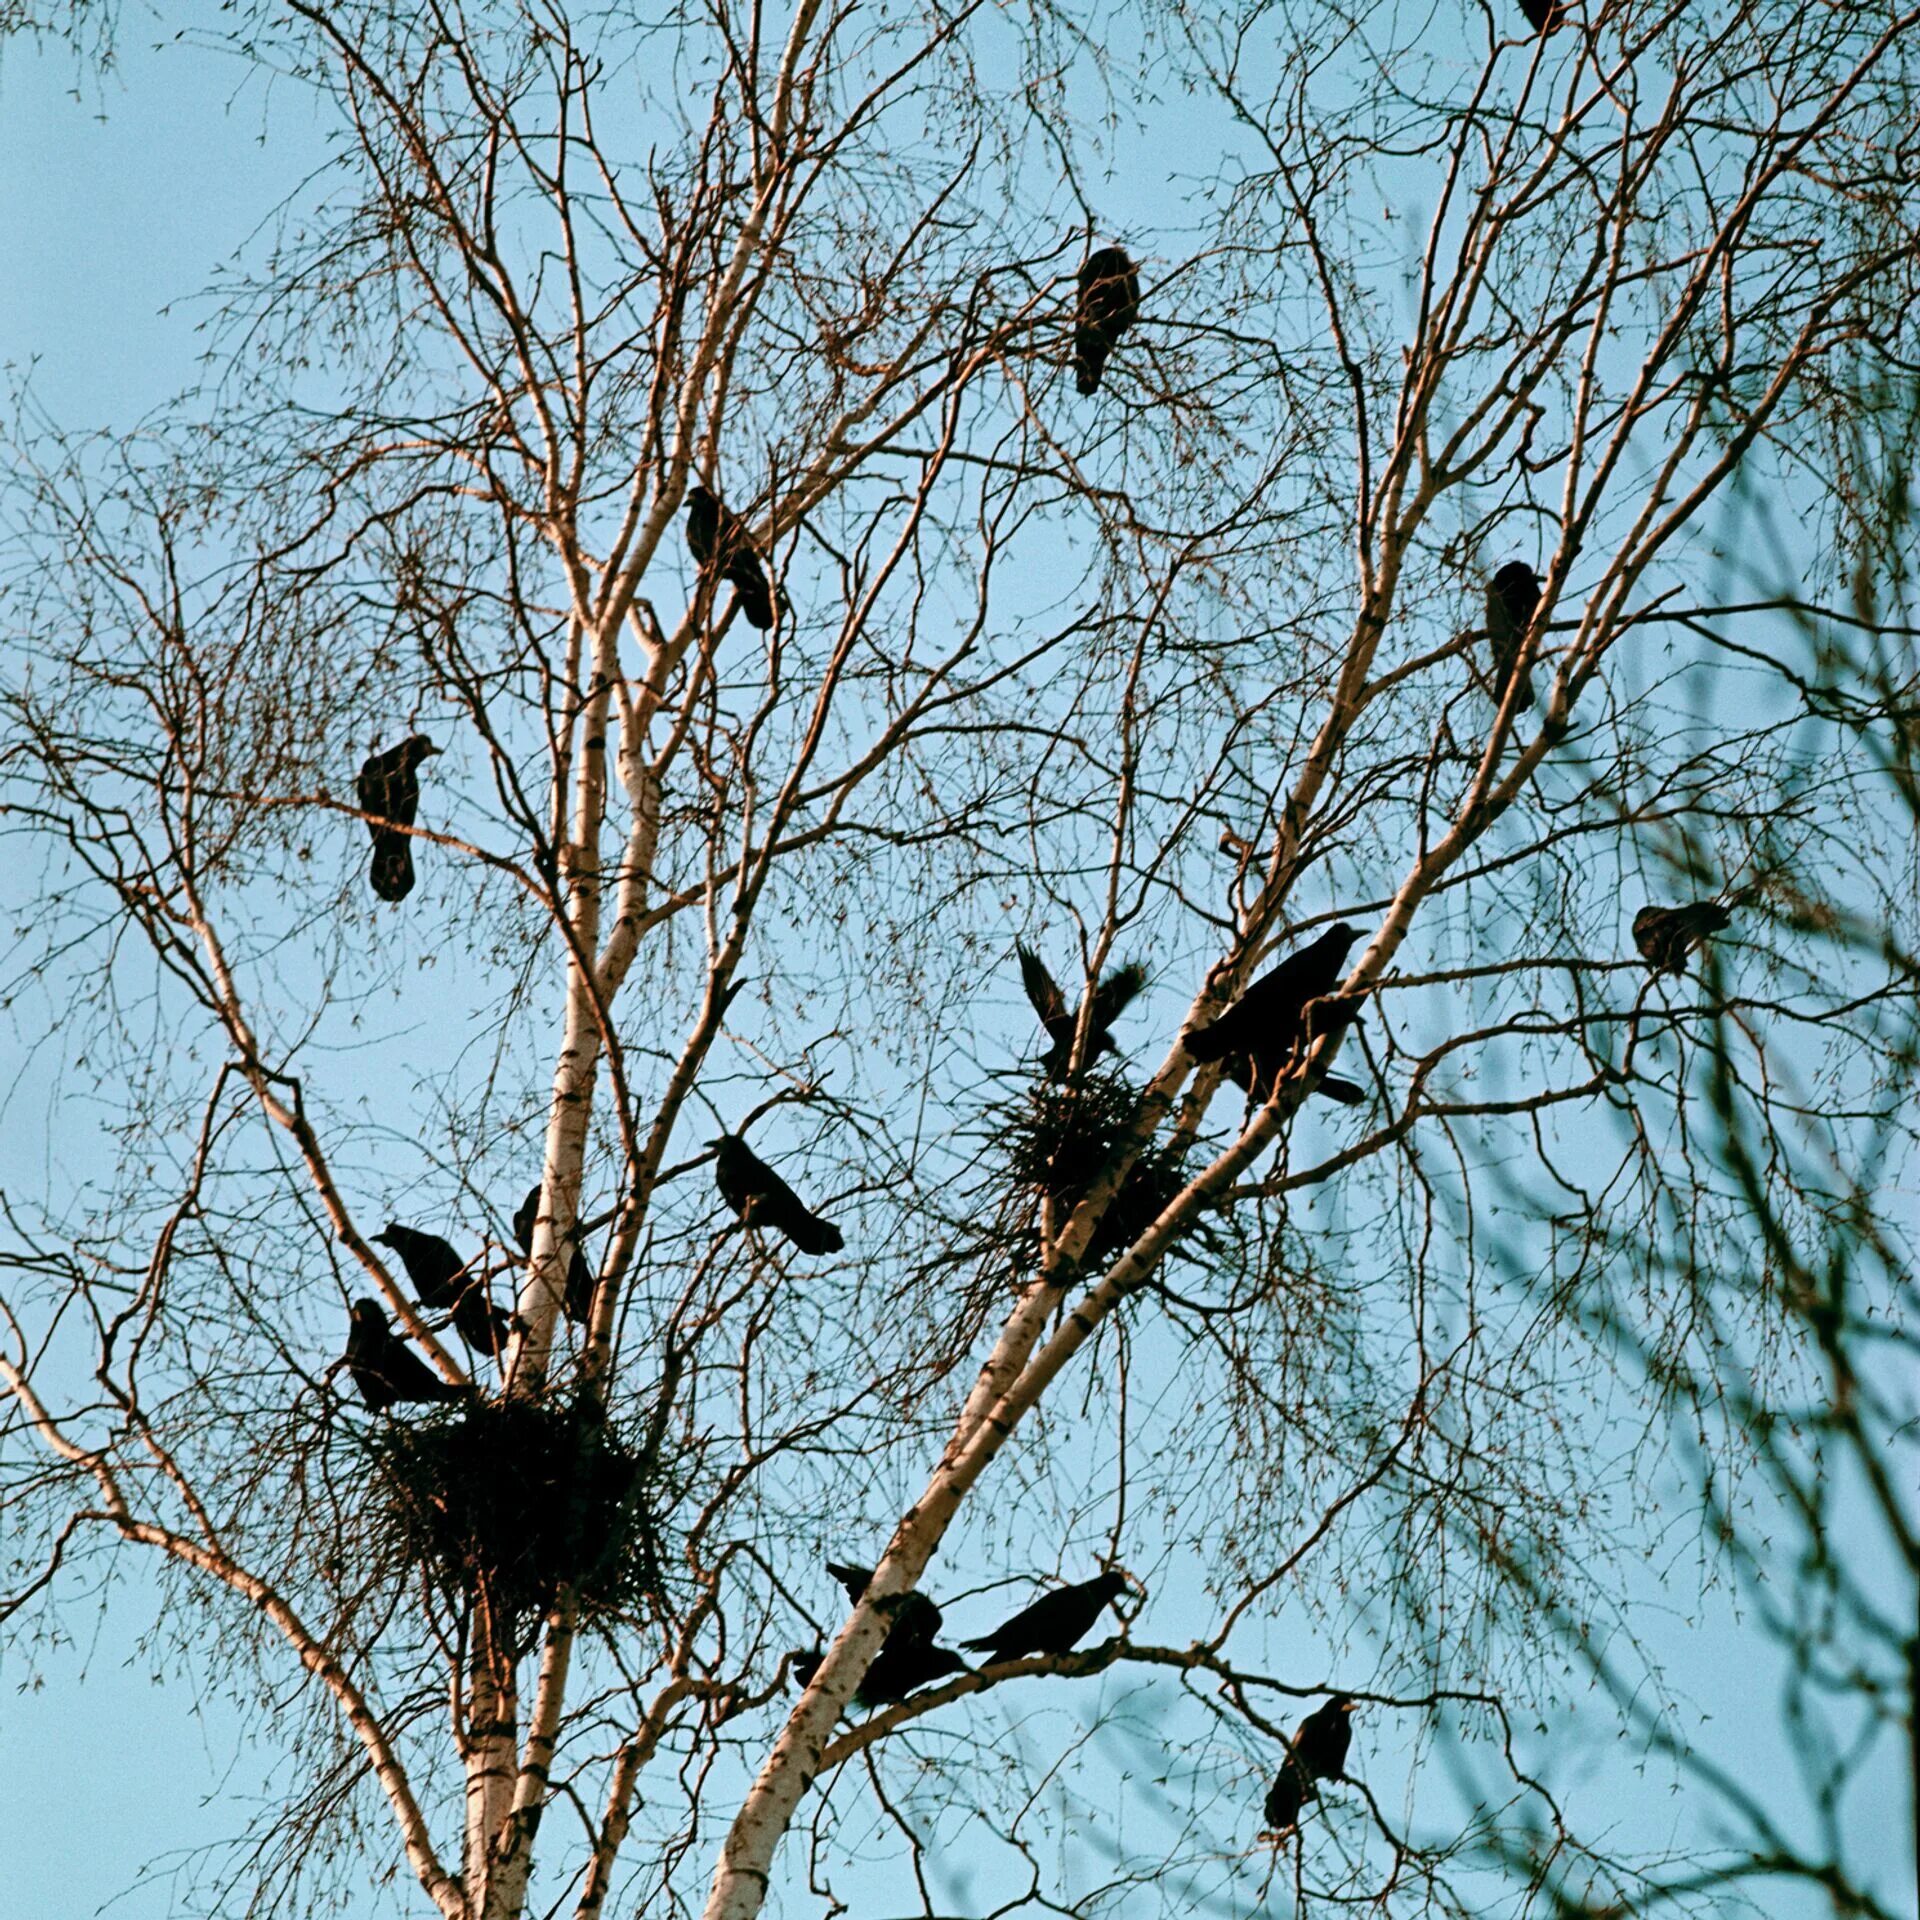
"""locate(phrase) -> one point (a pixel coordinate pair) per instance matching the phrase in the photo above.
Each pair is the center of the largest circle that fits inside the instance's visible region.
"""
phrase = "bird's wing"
(1111, 996)
(854, 1579)
(1041, 992)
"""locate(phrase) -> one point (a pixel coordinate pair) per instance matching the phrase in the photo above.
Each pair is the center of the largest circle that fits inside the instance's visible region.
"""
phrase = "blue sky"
(124, 199)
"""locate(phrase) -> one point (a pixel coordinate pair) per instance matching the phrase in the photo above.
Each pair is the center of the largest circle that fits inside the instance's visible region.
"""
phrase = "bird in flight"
(1110, 998)
(1109, 304)
(1667, 935)
(1055, 1623)
(1318, 1751)
(388, 790)
(761, 1198)
(1268, 1024)
(386, 1369)
(718, 539)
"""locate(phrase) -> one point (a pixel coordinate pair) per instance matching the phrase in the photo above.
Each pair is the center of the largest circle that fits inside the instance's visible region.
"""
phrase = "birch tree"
(1179, 673)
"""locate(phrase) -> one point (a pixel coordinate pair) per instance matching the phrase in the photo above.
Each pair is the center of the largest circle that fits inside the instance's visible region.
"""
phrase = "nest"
(506, 1501)
(1058, 1141)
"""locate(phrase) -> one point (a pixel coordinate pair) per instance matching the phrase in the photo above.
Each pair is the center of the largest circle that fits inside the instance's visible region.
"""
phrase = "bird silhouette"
(1513, 598)
(892, 1674)
(442, 1281)
(1110, 998)
(1667, 935)
(388, 789)
(762, 1199)
(1109, 304)
(718, 540)
(1055, 1623)
(386, 1369)
(1317, 1751)
(1543, 15)
(577, 1304)
(914, 1619)
(1268, 1025)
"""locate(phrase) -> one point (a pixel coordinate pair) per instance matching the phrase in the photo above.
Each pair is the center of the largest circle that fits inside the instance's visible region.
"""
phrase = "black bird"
(762, 1199)
(1318, 1751)
(916, 1619)
(1543, 15)
(389, 789)
(1332, 1087)
(386, 1369)
(893, 1675)
(1055, 1623)
(1666, 935)
(1513, 597)
(578, 1303)
(1109, 304)
(442, 1280)
(718, 539)
(1268, 1024)
(1110, 999)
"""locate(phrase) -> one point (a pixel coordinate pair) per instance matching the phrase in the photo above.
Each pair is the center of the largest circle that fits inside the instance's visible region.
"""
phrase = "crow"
(718, 539)
(1666, 935)
(1543, 15)
(386, 1369)
(762, 1199)
(1513, 597)
(893, 1674)
(578, 1302)
(1110, 998)
(441, 1280)
(1055, 1623)
(389, 789)
(1317, 1751)
(915, 1617)
(1109, 304)
(1267, 1025)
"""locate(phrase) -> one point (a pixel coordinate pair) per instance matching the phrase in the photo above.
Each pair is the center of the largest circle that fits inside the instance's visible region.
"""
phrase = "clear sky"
(123, 198)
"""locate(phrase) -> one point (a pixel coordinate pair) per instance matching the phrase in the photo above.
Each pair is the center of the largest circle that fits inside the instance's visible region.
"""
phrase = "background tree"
(1179, 673)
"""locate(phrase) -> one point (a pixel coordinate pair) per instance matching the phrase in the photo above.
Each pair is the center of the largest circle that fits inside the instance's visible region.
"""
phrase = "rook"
(1109, 304)
(388, 789)
(762, 1199)
(1055, 1623)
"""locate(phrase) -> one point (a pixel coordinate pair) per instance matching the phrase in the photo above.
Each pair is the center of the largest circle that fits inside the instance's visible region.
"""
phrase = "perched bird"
(442, 1281)
(1055, 1623)
(386, 1369)
(1110, 998)
(1109, 304)
(718, 539)
(916, 1619)
(762, 1199)
(578, 1303)
(389, 789)
(893, 1674)
(1317, 1751)
(1513, 597)
(1267, 1025)
(1666, 935)
(1543, 15)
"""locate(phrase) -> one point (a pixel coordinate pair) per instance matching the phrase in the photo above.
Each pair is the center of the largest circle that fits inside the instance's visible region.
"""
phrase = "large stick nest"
(508, 1500)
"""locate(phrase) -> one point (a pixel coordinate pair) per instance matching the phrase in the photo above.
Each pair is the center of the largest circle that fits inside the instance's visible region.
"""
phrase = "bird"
(1240, 1071)
(1109, 304)
(1666, 935)
(1513, 597)
(915, 1618)
(891, 1675)
(1543, 15)
(762, 1199)
(386, 1369)
(1055, 1623)
(442, 1280)
(389, 789)
(1110, 998)
(718, 538)
(1317, 1751)
(578, 1301)
(1268, 1024)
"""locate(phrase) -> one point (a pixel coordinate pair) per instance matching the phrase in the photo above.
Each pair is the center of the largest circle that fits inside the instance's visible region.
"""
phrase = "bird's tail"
(1208, 1043)
(1344, 1091)
(813, 1235)
(392, 872)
